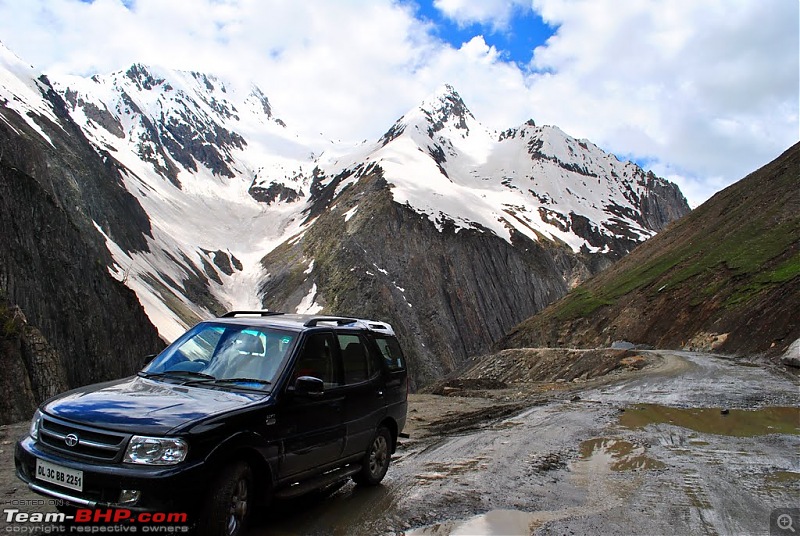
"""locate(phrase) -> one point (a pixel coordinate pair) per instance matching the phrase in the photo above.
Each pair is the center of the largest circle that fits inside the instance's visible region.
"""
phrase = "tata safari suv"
(239, 409)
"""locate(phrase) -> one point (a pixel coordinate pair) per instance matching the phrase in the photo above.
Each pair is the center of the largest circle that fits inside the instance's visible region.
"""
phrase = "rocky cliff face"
(448, 295)
(56, 194)
(33, 370)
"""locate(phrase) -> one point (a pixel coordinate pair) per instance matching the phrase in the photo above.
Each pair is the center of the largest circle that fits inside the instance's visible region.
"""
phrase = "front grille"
(92, 444)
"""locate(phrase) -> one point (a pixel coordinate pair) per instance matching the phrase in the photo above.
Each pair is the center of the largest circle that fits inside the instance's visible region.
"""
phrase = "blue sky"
(701, 92)
(516, 40)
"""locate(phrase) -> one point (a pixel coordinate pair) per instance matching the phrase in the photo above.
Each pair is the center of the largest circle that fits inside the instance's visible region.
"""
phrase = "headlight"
(35, 423)
(156, 450)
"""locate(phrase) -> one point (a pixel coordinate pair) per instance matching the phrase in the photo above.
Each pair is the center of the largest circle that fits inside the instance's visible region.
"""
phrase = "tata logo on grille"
(71, 440)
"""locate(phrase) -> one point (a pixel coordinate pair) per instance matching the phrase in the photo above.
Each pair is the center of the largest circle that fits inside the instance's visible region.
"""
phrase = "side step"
(318, 482)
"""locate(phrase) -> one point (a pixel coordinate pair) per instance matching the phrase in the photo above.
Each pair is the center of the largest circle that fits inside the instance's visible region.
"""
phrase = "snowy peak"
(441, 115)
(257, 98)
(143, 79)
(212, 94)
(445, 108)
(182, 122)
(532, 180)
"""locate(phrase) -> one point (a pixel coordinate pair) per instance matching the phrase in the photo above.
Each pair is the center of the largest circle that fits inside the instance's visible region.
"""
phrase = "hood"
(145, 406)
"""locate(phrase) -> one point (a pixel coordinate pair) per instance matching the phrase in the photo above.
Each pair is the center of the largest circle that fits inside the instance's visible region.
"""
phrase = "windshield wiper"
(242, 380)
(179, 375)
(143, 374)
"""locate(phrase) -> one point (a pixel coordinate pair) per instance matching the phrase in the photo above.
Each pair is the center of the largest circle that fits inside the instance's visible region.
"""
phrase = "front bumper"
(178, 488)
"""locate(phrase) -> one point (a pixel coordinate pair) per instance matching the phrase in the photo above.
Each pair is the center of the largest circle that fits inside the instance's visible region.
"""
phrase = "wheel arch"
(390, 424)
(241, 447)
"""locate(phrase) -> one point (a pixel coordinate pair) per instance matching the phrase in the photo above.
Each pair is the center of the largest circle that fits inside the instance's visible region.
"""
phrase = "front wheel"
(228, 502)
(376, 460)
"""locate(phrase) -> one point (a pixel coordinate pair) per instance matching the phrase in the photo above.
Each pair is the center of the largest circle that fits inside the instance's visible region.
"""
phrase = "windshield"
(225, 355)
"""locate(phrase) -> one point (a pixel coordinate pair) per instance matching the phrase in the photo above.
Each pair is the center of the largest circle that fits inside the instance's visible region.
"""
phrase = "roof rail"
(231, 314)
(337, 319)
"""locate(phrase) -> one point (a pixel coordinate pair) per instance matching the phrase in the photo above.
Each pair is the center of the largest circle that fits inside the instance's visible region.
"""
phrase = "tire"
(229, 502)
(376, 460)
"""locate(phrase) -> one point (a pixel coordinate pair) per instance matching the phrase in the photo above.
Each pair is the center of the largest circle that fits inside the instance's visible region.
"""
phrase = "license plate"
(56, 474)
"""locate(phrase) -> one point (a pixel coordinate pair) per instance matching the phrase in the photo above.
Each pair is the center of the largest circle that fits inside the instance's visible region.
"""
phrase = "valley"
(136, 203)
(182, 196)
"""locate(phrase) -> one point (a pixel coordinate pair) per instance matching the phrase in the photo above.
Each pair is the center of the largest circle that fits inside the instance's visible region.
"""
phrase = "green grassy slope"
(724, 276)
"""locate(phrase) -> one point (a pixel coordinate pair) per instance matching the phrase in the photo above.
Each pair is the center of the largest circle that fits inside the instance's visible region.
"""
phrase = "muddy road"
(647, 452)
(693, 444)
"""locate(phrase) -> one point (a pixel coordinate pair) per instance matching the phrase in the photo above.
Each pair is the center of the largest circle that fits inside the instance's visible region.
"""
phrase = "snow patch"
(350, 213)
(22, 91)
(308, 304)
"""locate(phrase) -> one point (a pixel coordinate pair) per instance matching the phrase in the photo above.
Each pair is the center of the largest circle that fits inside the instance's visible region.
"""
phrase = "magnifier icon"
(785, 522)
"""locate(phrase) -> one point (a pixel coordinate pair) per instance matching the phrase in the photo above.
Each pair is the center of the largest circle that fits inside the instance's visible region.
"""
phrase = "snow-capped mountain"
(536, 180)
(450, 230)
(220, 176)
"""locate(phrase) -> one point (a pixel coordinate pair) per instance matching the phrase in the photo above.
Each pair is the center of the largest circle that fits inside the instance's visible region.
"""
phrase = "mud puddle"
(617, 455)
(493, 523)
(717, 421)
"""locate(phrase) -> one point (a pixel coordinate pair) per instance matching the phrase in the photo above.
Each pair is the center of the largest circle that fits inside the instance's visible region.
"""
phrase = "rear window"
(392, 355)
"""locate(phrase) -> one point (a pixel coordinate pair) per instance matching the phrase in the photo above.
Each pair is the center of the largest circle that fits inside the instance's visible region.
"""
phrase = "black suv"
(239, 409)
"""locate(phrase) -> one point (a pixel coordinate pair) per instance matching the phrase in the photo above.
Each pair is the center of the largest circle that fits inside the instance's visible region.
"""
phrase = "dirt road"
(697, 444)
(692, 444)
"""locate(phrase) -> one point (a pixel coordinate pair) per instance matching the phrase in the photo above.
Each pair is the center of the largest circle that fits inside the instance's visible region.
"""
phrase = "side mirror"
(147, 359)
(309, 386)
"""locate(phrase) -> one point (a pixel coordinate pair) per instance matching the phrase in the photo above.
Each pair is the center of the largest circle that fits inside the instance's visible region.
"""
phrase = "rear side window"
(392, 355)
(356, 362)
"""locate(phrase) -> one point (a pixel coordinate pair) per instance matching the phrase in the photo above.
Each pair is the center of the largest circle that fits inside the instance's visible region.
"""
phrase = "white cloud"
(496, 13)
(704, 91)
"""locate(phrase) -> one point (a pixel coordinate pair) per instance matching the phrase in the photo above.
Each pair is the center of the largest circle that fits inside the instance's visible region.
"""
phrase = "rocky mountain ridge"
(454, 233)
(535, 179)
(223, 206)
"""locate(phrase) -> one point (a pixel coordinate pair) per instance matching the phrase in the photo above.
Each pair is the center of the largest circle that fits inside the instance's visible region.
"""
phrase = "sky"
(701, 92)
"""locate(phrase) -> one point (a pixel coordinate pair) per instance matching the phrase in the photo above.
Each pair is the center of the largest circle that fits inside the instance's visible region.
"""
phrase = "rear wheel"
(228, 503)
(376, 460)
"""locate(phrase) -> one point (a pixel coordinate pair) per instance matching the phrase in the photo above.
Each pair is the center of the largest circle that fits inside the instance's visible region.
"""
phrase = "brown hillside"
(725, 277)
